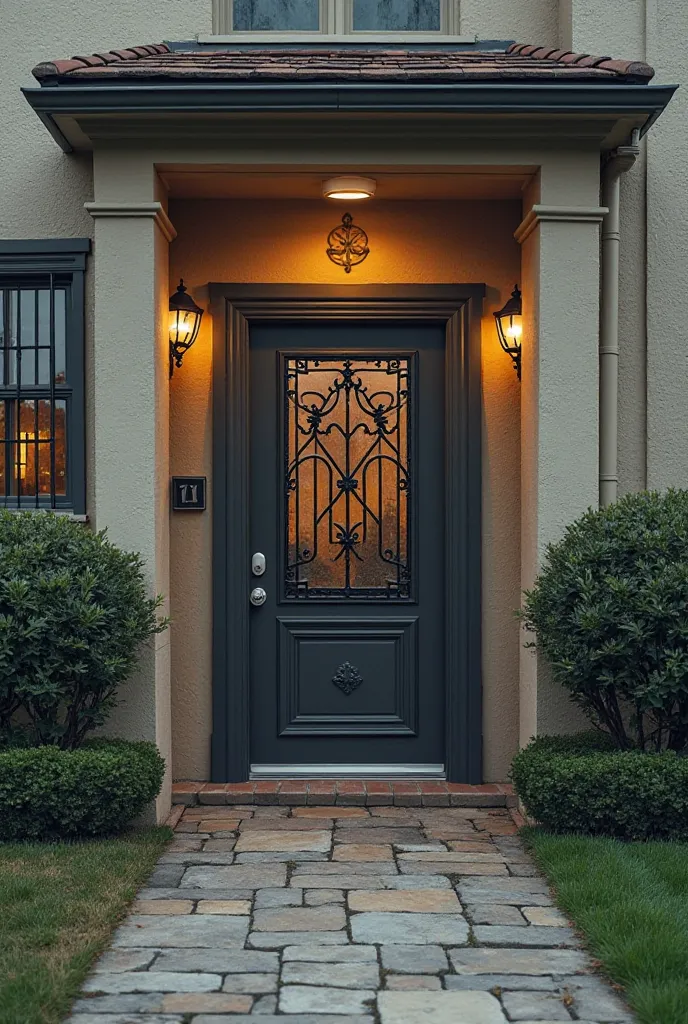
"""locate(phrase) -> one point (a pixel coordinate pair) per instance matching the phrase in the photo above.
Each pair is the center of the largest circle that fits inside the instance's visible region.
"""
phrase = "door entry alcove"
(346, 569)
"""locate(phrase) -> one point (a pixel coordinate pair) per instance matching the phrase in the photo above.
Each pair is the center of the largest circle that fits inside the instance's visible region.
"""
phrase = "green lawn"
(58, 906)
(630, 900)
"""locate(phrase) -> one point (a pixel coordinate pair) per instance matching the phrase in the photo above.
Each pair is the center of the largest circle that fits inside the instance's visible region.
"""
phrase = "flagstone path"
(345, 915)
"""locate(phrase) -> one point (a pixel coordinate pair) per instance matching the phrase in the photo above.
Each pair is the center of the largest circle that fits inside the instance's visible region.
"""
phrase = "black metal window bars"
(35, 392)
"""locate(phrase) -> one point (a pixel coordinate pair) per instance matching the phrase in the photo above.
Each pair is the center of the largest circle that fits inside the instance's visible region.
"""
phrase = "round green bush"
(48, 794)
(74, 611)
(609, 611)
(584, 784)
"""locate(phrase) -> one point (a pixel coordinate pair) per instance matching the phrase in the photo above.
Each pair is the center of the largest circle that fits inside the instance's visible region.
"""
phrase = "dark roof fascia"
(51, 101)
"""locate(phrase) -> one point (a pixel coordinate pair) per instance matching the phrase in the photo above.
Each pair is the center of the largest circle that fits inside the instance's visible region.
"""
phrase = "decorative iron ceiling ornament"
(347, 678)
(347, 244)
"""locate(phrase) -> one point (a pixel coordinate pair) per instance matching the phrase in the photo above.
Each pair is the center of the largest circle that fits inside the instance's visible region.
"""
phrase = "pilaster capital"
(155, 211)
(560, 214)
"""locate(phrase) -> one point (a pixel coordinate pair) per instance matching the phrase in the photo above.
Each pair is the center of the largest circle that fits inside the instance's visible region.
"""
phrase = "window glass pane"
(27, 334)
(33, 408)
(397, 15)
(44, 335)
(27, 309)
(276, 15)
(3, 448)
(30, 455)
(13, 312)
(60, 336)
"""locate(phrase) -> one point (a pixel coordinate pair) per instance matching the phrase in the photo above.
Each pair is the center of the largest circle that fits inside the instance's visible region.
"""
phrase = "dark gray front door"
(346, 427)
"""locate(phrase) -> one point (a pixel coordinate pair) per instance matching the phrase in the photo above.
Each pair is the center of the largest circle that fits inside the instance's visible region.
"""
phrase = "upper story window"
(42, 374)
(350, 18)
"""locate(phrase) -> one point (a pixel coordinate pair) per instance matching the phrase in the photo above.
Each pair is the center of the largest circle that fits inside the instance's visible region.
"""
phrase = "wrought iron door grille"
(34, 393)
(348, 477)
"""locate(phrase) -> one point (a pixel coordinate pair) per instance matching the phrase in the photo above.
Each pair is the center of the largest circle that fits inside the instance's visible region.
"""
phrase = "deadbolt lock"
(258, 564)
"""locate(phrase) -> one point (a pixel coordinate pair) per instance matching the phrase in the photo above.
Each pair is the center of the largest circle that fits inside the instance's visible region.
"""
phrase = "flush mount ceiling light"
(349, 186)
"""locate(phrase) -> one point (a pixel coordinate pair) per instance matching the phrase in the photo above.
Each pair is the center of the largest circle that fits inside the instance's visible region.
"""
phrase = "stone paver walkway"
(345, 915)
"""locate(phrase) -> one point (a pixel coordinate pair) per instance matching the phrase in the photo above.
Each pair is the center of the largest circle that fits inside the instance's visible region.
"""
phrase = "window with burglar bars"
(41, 375)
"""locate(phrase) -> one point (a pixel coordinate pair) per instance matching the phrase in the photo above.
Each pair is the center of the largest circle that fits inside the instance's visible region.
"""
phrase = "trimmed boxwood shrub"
(585, 784)
(48, 793)
(609, 611)
(74, 612)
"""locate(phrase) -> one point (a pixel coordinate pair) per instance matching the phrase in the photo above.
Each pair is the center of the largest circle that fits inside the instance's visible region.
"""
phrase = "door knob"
(258, 597)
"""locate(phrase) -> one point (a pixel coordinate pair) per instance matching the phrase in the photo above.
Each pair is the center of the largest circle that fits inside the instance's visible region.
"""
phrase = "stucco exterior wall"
(43, 195)
(411, 243)
(619, 26)
(559, 397)
(535, 21)
(43, 189)
(667, 253)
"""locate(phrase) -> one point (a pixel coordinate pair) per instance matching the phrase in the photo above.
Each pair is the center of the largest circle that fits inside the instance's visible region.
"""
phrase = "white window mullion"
(450, 17)
(327, 16)
(345, 17)
(222, 17)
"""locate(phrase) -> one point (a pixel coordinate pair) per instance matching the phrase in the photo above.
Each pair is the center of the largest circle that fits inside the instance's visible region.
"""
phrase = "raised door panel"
(346, 676)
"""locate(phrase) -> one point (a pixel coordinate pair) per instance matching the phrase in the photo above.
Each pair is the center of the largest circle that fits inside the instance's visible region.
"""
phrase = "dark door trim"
(233, 309)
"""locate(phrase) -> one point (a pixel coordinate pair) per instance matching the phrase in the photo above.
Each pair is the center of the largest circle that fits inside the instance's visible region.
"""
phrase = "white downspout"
(621, 161)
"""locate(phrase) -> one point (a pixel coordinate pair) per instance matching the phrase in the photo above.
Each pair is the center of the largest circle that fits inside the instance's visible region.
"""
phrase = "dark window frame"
(35, 263)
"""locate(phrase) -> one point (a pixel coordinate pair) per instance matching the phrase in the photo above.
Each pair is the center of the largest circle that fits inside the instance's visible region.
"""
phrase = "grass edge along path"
(59, 903)
(630, 902)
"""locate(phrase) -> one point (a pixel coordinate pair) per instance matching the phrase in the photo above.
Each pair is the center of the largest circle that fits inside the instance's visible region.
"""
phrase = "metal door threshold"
(347, 771)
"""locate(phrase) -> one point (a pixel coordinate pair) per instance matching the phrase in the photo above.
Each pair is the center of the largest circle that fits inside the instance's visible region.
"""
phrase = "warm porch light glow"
(510, 328)
(349, 186)
(185, 322)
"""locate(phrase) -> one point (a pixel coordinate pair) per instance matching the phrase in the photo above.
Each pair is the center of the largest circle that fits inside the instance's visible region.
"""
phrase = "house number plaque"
(188, 493)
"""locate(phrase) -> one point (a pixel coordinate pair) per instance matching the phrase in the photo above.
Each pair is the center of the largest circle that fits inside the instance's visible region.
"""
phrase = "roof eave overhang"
(60, 104)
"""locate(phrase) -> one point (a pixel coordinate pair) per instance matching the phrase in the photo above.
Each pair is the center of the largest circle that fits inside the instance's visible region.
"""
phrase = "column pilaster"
(131, 432)
(559, 412)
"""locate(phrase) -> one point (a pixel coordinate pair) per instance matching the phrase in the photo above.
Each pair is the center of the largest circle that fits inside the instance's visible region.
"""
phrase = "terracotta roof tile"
(521, 62)
(625, 68)
(91, 61)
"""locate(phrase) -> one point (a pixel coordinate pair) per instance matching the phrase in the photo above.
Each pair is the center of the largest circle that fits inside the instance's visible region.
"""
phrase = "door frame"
(234, 307)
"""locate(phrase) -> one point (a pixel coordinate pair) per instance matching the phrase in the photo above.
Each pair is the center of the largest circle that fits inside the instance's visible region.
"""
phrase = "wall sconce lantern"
(510, 328)
(185, 322)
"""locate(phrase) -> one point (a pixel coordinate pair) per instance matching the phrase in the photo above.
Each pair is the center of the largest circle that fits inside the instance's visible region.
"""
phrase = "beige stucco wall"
(43, 190)
(619, 27)
(559, 403)
(653, 365)
(667, 253)
(528, 21)
(43, 195)
(411, 243)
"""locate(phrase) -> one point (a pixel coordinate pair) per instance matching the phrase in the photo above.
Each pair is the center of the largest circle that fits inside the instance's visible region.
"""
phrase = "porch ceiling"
(221, 183)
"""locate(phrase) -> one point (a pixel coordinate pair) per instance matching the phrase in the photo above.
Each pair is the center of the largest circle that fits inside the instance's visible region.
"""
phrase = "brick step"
(345, 792)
